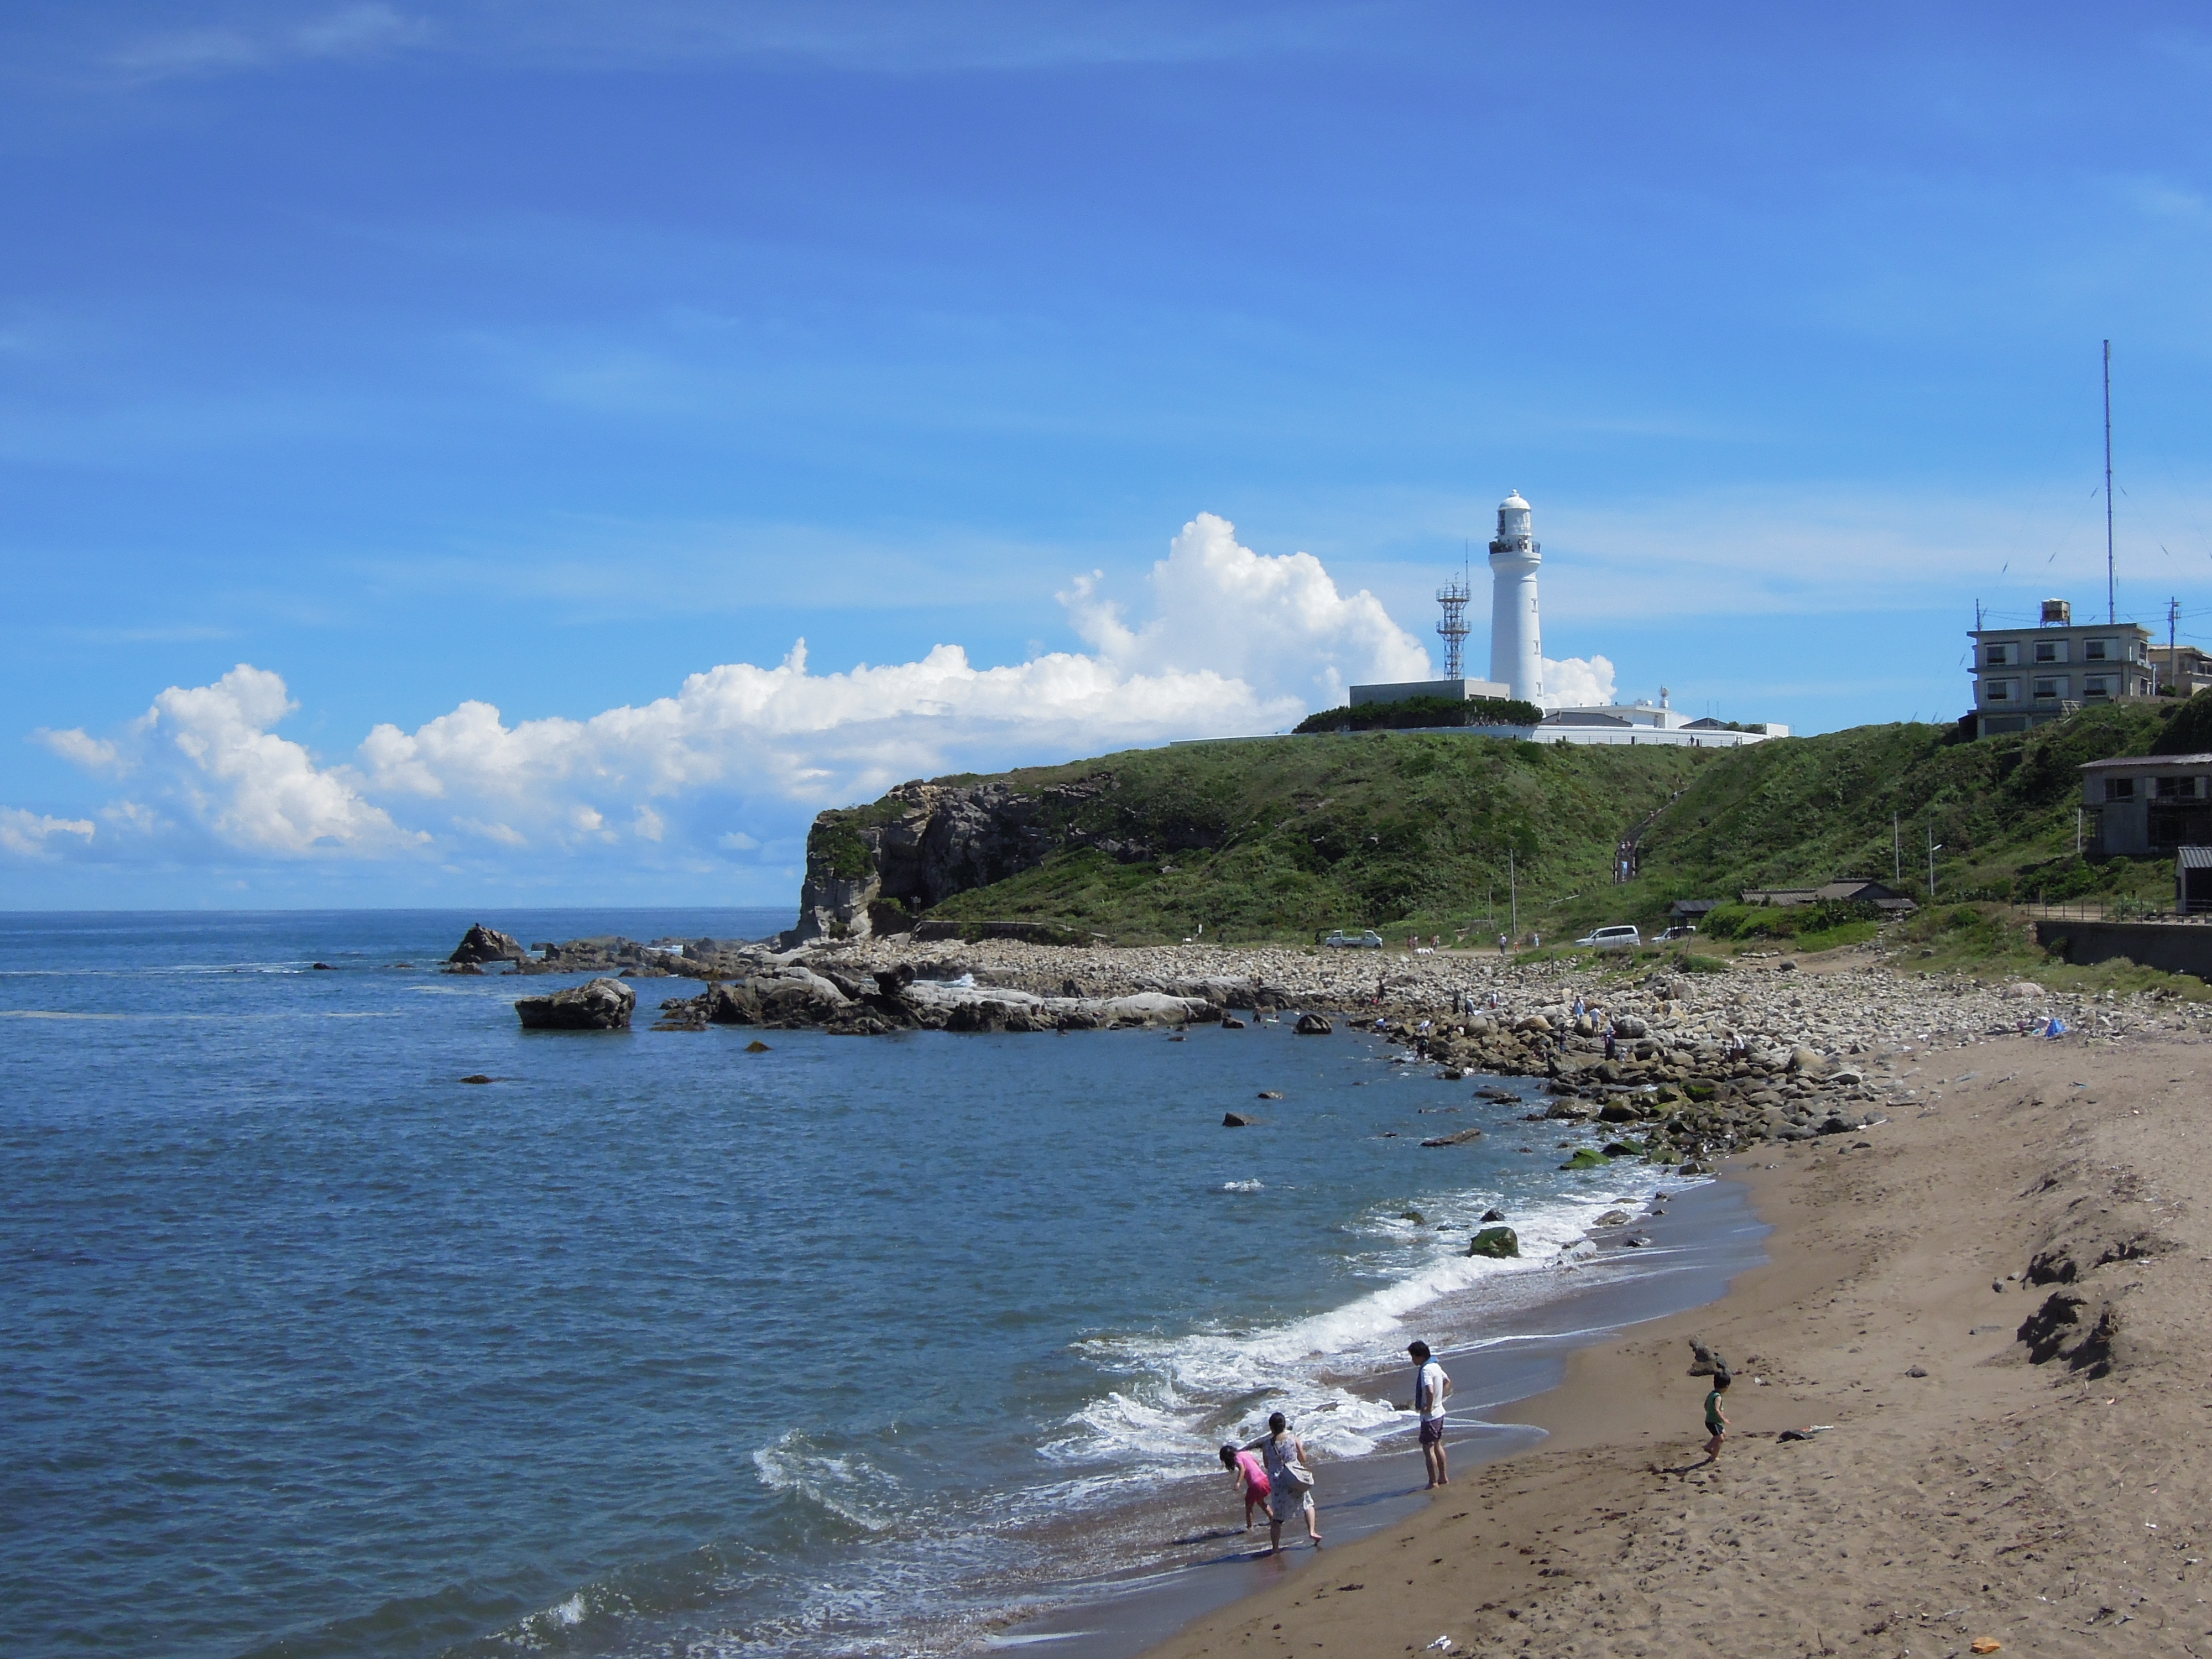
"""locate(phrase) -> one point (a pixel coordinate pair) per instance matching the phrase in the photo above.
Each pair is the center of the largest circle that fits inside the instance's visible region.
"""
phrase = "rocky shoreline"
(1705, 1062)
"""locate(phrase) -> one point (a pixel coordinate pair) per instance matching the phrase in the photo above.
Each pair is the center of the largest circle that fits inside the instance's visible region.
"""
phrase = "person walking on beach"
(1716, 1419)
(1431, 1388)
(1289, 1482)
(1251, 1481)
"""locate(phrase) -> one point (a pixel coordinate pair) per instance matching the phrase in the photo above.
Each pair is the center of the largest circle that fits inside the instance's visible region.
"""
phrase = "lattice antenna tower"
(1454, 596)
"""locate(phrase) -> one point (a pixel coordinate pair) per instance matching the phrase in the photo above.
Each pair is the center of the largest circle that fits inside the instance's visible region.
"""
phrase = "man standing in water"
(1431, 1388)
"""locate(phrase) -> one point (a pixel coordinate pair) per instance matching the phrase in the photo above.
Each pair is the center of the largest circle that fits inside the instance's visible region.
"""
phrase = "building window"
(2093, 650)
(1997, 690)
(2119, 788)
(2096, 685)
(2052, 688)
(1998, 656)
(2176, 789)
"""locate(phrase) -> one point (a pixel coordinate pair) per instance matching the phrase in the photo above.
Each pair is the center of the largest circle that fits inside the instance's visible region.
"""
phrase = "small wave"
(1177, 1398)
(1243, 1186)
(838, 1483)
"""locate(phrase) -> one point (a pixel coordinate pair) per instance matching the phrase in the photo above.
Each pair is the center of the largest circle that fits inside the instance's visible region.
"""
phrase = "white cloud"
(1577, 683)
(253, 789)
(351, 31)
(1233, 643)
(1277, 623)
(28, 832)
(136, 817)
(93, 754)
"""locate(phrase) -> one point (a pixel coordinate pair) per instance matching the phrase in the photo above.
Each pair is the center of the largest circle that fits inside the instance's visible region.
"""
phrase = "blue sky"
(573, 361)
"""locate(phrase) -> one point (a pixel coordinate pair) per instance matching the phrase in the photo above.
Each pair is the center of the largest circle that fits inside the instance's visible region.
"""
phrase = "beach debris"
(1237, 1120)
(1984, 1644)
(1496, 1243)
(1917, 1370)
(1440, 1642)
(1458, 1139)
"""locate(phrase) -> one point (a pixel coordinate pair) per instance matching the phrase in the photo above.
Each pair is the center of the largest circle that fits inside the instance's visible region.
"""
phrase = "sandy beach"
(1988, 1308)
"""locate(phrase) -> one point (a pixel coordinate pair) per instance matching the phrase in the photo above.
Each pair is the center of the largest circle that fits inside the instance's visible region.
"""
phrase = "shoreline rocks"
(602, 1005)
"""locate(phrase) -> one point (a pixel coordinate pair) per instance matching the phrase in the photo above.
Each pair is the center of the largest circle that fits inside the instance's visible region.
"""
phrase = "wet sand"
(1497, 1353)
(2048, 1493)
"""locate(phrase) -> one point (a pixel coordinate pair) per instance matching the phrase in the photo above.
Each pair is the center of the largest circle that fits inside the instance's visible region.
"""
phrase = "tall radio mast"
(1454, 596)
(2112, 601)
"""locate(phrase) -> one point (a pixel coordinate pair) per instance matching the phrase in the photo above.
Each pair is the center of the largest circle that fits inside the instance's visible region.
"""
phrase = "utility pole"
(1896, 849)
(1513, 891)
(1934, 847)
(2077, 832)
(2173, 623)
(2112, 597)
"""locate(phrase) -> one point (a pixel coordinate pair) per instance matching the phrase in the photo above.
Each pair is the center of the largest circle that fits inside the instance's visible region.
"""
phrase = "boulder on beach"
(602, 1005)
(1496, 1243)
(1585, 1158)
(1612, 1218)
(1489, 1216)
(1536, 1024)
(1809, 1061)
(1313, 1025)
(1629, 1025)
(482, 943)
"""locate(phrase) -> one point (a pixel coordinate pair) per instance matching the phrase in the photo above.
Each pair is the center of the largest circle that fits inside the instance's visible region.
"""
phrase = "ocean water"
(655, 1346)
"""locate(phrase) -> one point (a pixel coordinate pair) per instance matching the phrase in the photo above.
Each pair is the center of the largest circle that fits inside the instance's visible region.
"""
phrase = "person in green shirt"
(1716, 1421)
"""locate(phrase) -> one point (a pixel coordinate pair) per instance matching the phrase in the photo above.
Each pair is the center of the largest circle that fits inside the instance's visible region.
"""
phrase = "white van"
(1623, 938)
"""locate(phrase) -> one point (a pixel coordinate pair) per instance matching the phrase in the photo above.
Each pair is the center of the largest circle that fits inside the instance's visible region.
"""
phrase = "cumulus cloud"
(1232, 642)
(1577, 683)
(27, 834)
(1278, 624)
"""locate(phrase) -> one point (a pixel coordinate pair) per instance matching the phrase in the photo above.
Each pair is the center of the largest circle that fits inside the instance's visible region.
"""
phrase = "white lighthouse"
(1516, 649)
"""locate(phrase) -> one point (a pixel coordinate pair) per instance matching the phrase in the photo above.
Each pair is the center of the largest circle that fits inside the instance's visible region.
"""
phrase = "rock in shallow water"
(602, 1005)
(482, 943)
(1496, 1243)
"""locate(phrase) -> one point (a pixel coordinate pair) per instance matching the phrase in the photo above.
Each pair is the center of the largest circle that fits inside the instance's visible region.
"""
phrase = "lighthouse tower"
(1517, 652)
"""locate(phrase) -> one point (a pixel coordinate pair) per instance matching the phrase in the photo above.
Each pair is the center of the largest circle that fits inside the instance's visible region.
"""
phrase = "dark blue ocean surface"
(654, 1345)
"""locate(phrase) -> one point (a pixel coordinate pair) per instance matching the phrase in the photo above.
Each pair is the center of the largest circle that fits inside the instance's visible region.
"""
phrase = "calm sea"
(655, 1346)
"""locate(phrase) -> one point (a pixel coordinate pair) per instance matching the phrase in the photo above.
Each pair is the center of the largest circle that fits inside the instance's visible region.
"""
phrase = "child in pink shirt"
(1251, 1478)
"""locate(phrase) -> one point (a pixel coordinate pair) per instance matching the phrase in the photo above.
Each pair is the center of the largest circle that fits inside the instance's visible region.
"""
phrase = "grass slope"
(1400, 830)
(1283, 837)
(1813, 809)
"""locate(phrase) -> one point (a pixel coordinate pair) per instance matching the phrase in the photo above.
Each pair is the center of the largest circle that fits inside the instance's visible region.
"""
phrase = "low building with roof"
(2139, 805)
(1851, 889)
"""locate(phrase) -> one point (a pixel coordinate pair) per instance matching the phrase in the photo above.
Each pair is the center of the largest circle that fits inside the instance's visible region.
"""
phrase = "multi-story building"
(2024, 676)
(2183, 668)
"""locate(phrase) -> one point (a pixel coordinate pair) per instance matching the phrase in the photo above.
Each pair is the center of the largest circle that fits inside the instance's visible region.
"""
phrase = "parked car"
(1366, 939)
(1683, 931)
(1622, 937)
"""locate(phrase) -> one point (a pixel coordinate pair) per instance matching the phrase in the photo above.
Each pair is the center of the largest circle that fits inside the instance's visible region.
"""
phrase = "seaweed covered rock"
(1496, 1243)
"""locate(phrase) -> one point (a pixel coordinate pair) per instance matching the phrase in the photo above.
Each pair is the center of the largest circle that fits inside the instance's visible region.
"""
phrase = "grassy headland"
(1430, 830)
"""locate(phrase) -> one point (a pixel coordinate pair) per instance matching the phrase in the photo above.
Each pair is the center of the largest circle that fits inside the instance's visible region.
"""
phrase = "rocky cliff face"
(872, 872)
(873, 869)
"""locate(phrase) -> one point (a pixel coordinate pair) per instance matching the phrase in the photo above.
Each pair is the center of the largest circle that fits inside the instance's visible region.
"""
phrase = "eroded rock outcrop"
(482, 944)
(601, 1005)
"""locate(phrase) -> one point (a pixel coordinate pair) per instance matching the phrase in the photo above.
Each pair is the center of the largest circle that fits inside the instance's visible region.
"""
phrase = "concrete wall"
(2178, 947)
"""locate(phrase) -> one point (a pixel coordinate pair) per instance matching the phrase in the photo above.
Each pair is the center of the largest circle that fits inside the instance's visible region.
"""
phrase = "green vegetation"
(1405, 830)
(1811, 810)
(1410, 713)
(1290, 837)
